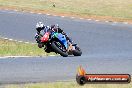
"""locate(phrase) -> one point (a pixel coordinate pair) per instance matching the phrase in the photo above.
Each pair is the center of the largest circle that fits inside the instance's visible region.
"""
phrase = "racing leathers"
(56, 28)
(53, 28)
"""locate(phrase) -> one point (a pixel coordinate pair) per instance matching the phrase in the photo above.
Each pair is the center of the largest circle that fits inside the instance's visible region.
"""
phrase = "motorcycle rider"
(42, 29)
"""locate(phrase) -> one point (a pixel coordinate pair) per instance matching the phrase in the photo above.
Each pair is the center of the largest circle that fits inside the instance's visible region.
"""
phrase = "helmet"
(55, 27)
(39, 26)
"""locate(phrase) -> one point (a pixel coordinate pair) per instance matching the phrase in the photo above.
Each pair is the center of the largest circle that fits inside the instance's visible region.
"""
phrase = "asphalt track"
(107, 48)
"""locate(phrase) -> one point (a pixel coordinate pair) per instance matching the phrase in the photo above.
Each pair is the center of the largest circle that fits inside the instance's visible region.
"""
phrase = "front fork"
(70, 46)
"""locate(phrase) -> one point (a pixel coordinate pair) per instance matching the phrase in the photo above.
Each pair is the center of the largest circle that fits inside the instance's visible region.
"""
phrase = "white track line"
(17, 40)
(106, 21)
(125, 22)
(115, 22)
(64, 16)
(81, 18)
(33, 43)
(52, 55)
(6, 9)
(32, 12)
(3, 57)
(54, 15)
(5, 38)
(18, 57)
(72, 17)
(96, 20)
(16, 10)
(89, 19)
(47, 14)
(39, 13)
(26, 42)
(20, 41)
(10, 39)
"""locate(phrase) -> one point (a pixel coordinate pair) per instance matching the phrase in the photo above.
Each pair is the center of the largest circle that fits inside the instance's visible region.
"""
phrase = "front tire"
(57, 50)
(77, 51)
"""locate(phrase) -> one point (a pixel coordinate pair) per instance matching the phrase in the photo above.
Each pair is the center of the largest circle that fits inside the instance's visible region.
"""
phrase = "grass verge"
(119, 10)
(12, 48)
(68, 85)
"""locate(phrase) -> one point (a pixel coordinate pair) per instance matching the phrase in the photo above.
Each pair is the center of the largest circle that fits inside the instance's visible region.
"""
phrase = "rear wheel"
(59, 48)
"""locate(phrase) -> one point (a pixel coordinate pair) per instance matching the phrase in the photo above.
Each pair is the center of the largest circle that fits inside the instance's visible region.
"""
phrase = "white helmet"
(39, 26)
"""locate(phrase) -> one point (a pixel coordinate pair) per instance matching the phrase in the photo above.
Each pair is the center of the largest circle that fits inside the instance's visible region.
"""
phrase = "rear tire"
(57, 50)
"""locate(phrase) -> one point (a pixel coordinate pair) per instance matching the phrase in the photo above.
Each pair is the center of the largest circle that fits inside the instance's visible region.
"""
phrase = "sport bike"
(57, 42)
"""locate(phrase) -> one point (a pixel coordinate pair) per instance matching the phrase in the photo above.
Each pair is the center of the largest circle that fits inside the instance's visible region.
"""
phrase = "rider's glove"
(37, 37)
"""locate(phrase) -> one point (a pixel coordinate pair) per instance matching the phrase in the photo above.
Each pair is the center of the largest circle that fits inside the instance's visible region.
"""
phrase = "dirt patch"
(93, 17)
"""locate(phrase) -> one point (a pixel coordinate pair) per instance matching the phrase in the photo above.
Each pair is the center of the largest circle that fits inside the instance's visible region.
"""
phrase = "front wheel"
(58, 48)
(77, 51)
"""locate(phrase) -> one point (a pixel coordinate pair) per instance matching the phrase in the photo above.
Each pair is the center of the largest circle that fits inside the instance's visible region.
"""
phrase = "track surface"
(107, 48)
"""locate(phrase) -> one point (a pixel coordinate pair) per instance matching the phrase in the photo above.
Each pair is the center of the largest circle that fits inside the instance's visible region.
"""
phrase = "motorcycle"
(57, 42)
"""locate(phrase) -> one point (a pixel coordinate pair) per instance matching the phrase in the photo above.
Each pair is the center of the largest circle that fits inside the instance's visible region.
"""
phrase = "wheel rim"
(60, 46)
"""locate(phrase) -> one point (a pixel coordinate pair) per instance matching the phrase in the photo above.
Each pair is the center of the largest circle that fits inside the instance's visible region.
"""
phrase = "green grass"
(121, 9)
(68, 85)
(11, 48)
